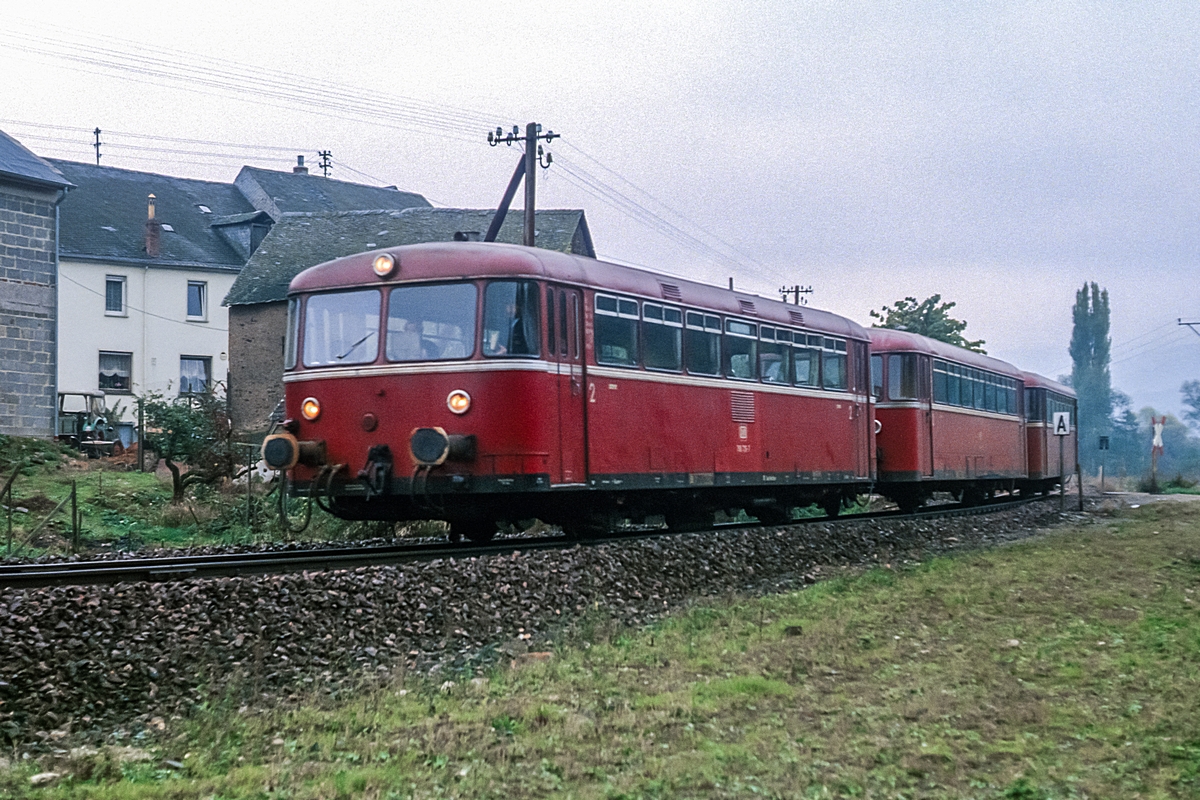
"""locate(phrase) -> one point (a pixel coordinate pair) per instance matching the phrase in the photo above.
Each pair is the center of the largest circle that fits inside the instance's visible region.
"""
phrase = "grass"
(130, 510)
(1064, 667)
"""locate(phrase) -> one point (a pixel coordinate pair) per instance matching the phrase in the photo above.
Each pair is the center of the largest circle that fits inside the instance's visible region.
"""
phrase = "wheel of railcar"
(773, 515)
(974, 496)
(910, 503)
(689, 518)
(832, 506)
(477, 531)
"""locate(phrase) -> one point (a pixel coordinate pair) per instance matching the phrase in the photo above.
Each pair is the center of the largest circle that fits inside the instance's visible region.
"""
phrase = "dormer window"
(167, 228)
(204, 209)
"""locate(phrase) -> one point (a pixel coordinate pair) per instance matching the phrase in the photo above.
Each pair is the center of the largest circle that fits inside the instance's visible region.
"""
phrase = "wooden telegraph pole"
(527, 169)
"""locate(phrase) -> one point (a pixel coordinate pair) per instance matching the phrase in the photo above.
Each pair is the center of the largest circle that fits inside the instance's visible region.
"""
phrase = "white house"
(144, 261)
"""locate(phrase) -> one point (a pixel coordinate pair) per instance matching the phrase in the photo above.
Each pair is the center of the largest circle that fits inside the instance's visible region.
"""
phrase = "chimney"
(300, 169)
(152, 230)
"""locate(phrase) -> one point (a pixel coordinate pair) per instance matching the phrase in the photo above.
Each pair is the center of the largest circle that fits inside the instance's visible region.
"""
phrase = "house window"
(194, 374)
(114, 295)
(197, 300)
(115, 371)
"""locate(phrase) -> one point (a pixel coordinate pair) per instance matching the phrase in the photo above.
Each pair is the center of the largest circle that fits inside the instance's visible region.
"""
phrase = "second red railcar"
(949, 419)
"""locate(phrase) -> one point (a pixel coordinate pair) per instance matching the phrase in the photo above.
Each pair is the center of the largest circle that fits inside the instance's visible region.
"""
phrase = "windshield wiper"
(356, 344)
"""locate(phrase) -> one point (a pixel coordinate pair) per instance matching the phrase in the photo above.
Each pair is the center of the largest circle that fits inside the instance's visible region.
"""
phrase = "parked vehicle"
(83, 423)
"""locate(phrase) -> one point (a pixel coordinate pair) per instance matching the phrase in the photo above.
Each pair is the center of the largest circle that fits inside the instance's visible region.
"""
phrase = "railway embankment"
(1058, 665)
(85, 661)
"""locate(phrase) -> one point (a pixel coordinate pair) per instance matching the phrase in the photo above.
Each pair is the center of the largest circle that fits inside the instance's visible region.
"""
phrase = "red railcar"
(1052, 458)
(480, 382)
(948, 419)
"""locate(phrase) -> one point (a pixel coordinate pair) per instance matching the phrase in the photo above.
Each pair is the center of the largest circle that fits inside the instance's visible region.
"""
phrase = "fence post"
(249, 475)
(74, 517)
(7, 492)
(141, 438)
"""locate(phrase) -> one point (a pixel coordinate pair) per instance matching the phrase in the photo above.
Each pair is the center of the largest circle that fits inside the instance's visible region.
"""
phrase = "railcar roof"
(886, 339)
(445, 260)
(1035, 381)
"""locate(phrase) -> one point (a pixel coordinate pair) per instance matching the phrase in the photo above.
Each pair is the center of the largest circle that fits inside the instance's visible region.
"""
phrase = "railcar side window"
(511, 319)
(431, 323)
(902, 376)
(940, 379)
(833, 364)
(973, 388)
(341, 328)
(741, 347)
(293, 333)
(808, 360)
(703, 343)
(562, 323)
(775, 355)
(1056, 403)
(877, 376)
(662, 337)
(616, 331)
(550, 340)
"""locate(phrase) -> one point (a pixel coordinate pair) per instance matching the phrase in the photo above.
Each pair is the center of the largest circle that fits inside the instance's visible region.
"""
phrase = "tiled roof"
(297, 242)
(18, 164)
(105, 216)
(280, 193)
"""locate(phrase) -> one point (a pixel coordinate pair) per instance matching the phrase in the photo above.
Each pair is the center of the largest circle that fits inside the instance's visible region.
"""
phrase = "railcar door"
(925, 392)
(567, 310)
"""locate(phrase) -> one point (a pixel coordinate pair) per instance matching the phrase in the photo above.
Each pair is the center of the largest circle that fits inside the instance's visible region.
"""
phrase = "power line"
(195, 72)
(733, 250)
(218, 77)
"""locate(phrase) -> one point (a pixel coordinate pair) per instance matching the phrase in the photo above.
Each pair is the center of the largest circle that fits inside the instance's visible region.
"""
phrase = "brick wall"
(27, 312)
(255, 364)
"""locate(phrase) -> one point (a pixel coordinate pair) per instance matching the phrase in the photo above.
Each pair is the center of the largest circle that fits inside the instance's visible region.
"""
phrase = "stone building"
(30, 192)
(257, 301)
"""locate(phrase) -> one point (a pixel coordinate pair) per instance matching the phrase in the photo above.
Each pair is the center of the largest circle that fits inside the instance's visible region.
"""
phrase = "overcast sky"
(1000, 154)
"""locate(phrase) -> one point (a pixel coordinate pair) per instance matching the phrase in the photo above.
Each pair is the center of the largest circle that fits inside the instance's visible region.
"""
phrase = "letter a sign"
(1062, 423)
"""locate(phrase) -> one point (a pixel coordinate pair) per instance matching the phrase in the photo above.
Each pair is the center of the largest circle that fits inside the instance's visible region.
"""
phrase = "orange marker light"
(384, 265)
(458, 401)
(310, 409)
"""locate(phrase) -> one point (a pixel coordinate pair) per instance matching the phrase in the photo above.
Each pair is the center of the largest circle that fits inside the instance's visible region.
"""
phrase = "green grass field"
(130, 510)
(1067, 666)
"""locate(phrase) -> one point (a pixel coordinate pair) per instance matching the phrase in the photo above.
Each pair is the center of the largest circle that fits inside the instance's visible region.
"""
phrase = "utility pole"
(795, 291)
(326, 164)
(97, 146)
(527, 169)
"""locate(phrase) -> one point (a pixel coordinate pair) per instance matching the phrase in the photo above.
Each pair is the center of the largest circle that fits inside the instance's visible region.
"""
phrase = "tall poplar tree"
(1090, 376)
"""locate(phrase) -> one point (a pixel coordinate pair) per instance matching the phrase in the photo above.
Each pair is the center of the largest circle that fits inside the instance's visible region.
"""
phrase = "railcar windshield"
(511, 319)
(341, 328)
(431, 323)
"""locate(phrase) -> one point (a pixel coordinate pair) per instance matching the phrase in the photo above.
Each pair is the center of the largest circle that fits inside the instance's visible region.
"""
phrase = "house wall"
(255, 364)
(156, 339)
(27, 311)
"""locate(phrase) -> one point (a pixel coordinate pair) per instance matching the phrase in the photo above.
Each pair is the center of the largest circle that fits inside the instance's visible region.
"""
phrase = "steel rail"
(172, 568)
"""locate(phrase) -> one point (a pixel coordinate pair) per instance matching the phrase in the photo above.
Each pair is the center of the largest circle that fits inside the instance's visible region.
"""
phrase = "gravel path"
(89, 658)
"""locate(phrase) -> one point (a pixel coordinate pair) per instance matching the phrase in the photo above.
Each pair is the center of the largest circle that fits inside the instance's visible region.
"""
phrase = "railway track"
(168, 568)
